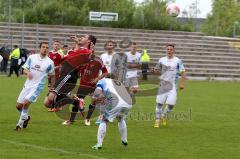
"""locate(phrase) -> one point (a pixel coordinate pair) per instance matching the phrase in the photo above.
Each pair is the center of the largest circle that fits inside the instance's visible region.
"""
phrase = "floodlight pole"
(235, 24)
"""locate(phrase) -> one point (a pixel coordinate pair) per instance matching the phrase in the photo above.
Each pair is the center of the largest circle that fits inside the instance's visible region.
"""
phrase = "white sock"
(167, 110)
(158, 111)
(101, 132)
(23, 117)
(122, 126)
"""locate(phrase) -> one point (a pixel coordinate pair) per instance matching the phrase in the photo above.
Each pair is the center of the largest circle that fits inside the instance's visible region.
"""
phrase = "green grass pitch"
(204, 125)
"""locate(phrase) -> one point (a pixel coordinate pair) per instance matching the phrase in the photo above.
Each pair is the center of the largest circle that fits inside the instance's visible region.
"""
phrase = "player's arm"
(51, 76)
(182, 80)
(157, 69)
(133, 65)
(97, 96)
(26, 68)
(182, 74)
(27, 73)
(51, 80)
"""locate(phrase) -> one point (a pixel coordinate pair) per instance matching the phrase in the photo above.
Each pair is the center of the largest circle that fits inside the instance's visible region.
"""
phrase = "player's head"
(170, 50)
(56, 45)
(65, 49)
(133, 48)
(109, 46)
(87, 41)
(43, 48)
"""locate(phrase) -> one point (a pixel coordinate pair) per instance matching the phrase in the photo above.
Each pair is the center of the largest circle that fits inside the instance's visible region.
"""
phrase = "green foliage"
(224, 14)
(151, 14)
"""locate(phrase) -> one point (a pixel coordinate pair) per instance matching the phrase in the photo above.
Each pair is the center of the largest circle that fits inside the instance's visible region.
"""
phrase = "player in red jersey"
(89, 77)
(69, 71)
(56, 57)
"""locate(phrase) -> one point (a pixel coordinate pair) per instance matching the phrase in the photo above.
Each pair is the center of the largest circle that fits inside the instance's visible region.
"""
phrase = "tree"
(224, 14)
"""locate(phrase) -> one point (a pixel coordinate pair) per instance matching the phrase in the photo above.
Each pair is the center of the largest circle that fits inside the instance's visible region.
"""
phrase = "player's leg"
(171, 102)
(24, 117)
(122, 126)
(102, 129)
(160, 100)
(158, 114)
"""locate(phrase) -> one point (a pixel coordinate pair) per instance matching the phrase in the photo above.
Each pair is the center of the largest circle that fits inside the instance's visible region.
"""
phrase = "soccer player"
(37, 68)
(119, 66)
(56, 57)
(117, 102)
(133, 64)
(170, 67)
(71, 64)
(89, 77)
(107, 56)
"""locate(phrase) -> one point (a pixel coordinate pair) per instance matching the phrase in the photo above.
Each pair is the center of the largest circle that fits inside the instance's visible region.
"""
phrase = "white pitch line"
(51, 149)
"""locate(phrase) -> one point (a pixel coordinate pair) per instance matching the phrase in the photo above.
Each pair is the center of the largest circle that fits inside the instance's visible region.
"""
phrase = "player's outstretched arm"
(52, 80)
(182, 81)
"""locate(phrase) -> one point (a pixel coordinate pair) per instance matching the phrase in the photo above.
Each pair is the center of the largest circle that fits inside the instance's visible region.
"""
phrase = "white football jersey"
(115, 93)
(170, 69)
(133, 59)
(40, 68)
(107, 59)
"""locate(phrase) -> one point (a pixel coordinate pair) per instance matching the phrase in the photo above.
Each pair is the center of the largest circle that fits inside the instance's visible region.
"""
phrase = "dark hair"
(43, 42)
(15, 46)
(110, 41)
(170, 44)
(92, 38)
(65, 45)
(134, 43)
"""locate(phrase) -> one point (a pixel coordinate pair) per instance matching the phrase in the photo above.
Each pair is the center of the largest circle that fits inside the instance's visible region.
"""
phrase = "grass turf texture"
(211, 131)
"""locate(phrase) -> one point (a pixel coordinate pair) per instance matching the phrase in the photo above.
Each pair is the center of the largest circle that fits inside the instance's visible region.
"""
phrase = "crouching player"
(117, 103)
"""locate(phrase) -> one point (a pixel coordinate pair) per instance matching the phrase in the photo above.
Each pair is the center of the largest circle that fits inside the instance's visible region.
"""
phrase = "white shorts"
(131, 82)
(116, 112)
(30, 94)
(169, 98)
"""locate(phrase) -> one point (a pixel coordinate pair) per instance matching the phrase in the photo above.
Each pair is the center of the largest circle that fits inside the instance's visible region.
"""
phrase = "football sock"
(90, 111)
(122, 126)
(101, 132)
(73, 113)
(23, 117)
(158, 111)
(167, 110)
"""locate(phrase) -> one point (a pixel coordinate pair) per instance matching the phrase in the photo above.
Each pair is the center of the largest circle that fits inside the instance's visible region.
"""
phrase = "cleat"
(67, 122)
(25, 123)
(157, 123)
(164, 121)
(96, 147)
(18, 128)
(124, 143)
(87, 122)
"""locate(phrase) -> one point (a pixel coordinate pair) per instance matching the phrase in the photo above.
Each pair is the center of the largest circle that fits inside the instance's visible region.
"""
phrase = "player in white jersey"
(133, 64)
(117, 103)
(37, 68)
(170, 68)
(107, 56)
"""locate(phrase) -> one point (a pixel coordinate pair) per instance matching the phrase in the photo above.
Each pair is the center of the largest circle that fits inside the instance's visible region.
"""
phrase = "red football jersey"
(91, 71)
(78, 57)
(56, 57)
